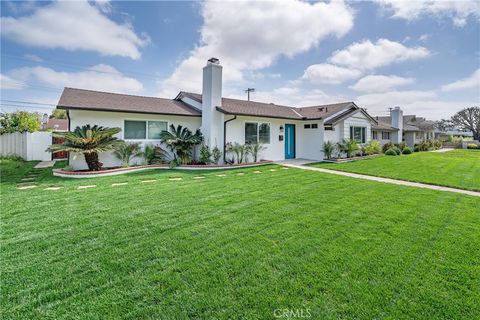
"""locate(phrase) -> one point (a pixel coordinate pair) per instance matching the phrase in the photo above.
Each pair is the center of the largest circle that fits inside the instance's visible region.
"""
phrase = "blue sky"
(423, 56)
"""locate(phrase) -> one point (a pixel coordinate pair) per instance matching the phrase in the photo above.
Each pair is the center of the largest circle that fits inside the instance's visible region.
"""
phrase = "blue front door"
(289, 141)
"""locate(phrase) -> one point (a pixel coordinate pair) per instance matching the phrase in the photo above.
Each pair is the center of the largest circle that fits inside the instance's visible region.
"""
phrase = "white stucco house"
(287, 132)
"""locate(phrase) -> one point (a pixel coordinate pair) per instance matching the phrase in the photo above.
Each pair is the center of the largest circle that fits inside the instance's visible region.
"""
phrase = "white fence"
(29, 146)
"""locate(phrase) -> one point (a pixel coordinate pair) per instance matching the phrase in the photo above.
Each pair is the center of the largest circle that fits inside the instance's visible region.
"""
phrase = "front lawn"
(456, 168)
(239, 246)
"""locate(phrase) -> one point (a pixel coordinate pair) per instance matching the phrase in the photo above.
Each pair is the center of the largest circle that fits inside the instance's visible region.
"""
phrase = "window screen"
(135, 129)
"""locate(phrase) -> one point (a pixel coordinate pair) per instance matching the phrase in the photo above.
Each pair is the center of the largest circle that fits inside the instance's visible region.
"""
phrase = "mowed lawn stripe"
(456, 168)
(239, 247)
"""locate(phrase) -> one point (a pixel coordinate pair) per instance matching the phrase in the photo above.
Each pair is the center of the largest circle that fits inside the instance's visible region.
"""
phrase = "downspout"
(68, 129)
(225, 137)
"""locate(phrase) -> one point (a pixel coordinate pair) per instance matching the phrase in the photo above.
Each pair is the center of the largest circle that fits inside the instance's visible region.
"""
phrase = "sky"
(423, 56)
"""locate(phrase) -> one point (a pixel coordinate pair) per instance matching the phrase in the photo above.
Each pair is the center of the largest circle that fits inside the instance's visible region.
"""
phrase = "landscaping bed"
(124, 170)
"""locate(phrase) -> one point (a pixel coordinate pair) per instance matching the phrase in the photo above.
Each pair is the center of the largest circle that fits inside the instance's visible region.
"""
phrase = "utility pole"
(248, 92)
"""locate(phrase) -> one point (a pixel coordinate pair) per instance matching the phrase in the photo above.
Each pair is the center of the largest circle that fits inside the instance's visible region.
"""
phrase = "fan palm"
(180, 141)
(126, 151)
(255, 149)
(89, 141)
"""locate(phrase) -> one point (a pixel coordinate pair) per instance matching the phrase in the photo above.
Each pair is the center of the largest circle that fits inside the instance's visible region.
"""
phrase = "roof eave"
(126, 111)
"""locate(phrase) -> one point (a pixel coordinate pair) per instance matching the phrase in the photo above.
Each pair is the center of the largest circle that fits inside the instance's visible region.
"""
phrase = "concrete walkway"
(385, 180)
(44, 164)
(443, 150)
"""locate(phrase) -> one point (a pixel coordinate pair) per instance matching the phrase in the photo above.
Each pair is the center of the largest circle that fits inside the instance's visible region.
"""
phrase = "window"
(306, 126)
(375, 135)
(140, 130)
(155, 128)
(135, 130)
(257, 132)
(328, 127)
(314, 125)
(358, 134)
(385, 135)
(310, 126)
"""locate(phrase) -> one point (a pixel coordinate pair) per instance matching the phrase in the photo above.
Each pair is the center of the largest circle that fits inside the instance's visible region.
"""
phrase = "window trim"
(387, 134)
(146, 129)
(258, 131)
(363, 134)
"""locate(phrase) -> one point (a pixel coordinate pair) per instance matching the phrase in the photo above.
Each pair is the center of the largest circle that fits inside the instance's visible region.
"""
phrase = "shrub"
(391, 152)
(205, 154)
(180, 141)
(348, 146)
(216, 154)
(387, 146)
(397, 150)
(472, 146)
(401, 145)
(373, 147)
(153, 154)
(255, 149)
(416, 149)
(328, 149)
(407, 150)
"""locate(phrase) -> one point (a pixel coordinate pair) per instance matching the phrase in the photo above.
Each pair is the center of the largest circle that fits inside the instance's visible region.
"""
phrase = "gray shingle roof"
(105, 101)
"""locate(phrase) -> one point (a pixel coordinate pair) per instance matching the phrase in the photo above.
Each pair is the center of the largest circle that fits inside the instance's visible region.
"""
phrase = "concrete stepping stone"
(119, 184)
(148, 181)
(273, 170)
(199, 177)
(45, 164)
(27, 179)
(241, 174)
(221, 175)
(25, 187)
(257, 171)
(175, 179)
(53, 188)
(86, 187)
(285, 168)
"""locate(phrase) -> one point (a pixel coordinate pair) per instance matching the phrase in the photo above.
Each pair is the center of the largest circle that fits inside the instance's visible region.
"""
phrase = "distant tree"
(444, 125)
(19, 121)
(468, 119)
(58, 114)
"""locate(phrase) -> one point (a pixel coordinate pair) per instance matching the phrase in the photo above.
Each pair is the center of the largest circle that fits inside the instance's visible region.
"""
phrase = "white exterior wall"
(29, 146)
(357, 120)
(116, 119)
(308, 142)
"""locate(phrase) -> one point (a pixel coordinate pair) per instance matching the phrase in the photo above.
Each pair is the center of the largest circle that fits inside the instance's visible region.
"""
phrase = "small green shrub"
(216, 154)
(401, 145)
(472, 146)
(407, 150)
(391, 152)
(205, 154)
(387, 146)
(397, 150)
(328, 149)
(373, 147)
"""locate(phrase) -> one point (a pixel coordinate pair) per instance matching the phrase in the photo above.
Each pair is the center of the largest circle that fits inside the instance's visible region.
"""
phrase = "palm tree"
(180, 141)
(349, 146)
(328, 149)
(255, 149)
(89, 141)
(126, 151)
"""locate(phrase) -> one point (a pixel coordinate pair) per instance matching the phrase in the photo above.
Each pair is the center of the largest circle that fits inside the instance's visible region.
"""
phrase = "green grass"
(236, 247)
(456, 168)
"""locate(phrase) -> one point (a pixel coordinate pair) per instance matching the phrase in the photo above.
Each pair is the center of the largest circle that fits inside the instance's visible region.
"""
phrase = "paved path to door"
(385, 180)
(443, 150)
(44, 164)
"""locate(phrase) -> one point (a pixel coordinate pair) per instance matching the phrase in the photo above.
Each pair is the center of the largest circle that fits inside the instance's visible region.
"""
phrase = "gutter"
(225, 136)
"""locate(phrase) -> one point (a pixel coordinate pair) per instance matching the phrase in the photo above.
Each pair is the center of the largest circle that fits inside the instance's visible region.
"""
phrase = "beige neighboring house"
(398, 128)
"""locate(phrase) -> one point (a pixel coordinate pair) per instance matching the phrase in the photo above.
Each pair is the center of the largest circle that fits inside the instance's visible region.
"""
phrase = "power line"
(28, 102)
(23, 106)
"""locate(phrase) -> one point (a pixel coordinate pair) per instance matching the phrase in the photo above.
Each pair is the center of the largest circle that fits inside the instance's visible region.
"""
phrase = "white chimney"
(397, 122)
(212, 120)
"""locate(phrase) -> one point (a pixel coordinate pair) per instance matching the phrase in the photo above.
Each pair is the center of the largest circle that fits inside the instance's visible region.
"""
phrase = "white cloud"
(74, 25)
(368, 55)
(458, 11)
(100, 77)
(393, 98)
(471, 82)
(32, 57)
(8, 83)
(329, 73)
(424, 37)
(251, 35)
(380, 83)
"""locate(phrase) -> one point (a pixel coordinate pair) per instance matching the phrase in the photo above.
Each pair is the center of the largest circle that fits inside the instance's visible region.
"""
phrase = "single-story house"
(398, 127)
(285, 131)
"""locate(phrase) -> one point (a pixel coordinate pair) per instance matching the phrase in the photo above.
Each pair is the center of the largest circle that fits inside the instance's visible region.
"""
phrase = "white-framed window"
(257, 132)
(375, 135)
(143, 129)
(310, 126)
(385, 135)
(358, 134)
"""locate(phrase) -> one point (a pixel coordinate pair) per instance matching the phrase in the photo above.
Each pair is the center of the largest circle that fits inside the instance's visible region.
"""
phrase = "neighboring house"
(397, 128)
(286, 132)
(57, 125)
